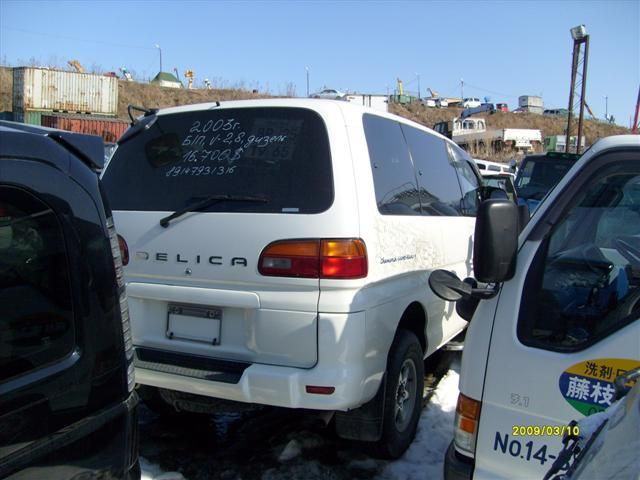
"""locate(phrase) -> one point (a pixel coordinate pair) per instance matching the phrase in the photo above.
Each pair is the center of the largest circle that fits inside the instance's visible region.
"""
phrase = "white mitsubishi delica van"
(278, 254)
(557, 317)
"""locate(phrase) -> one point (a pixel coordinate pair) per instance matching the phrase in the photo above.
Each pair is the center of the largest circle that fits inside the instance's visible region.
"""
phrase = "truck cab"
(555, 315)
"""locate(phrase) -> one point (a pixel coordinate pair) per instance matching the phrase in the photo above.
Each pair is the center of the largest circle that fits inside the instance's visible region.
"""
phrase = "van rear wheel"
(404, 382)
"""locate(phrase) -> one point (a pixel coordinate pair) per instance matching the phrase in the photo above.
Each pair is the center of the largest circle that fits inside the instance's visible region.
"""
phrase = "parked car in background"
(329, 93)
(540, 173)
(67, 401)
(290, 269)
(503, 182)
(502, 107)
(442, 103)
(556, 112)
(428, 102)
(470, 102)
(487, 167)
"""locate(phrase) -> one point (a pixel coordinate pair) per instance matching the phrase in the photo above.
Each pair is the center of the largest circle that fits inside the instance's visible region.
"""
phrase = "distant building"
(531, 104)
(166, 79)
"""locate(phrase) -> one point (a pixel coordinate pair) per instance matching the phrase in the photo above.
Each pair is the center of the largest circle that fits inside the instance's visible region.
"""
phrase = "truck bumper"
(457, 467)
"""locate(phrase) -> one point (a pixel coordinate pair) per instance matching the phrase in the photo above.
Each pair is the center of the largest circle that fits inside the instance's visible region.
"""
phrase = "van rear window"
(278, 154)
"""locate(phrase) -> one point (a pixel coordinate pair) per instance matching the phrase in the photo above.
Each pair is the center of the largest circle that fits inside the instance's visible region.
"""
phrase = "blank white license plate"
(194, 323)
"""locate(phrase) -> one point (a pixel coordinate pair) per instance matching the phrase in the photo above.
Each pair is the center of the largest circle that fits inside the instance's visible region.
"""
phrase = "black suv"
(67, 404)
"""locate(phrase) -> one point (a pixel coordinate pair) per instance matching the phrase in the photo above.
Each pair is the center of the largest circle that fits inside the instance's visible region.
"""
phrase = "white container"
(60, 91)
(530, 101)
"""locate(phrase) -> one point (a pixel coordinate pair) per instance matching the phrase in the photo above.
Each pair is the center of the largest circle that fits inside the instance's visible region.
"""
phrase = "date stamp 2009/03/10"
(544, 430)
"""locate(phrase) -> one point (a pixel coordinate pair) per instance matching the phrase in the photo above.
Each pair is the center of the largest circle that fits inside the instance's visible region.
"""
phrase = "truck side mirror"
(495, 241)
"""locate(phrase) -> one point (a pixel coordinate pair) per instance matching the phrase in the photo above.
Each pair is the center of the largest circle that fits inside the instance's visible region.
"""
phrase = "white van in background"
(488, 167)
(557, 315)
(279, 254)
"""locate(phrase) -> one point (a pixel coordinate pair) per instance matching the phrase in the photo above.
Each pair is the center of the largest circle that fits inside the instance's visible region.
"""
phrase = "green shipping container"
(32, 117)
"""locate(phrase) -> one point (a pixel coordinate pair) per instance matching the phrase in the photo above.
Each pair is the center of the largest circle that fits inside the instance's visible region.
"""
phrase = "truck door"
(567, 323)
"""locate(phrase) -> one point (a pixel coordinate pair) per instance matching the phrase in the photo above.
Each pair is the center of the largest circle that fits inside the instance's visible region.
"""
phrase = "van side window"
(469, 181)
(393, 174)
(36, 318)
(437, 180)
(585, 280)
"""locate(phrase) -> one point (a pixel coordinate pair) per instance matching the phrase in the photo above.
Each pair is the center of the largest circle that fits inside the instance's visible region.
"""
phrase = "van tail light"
(466, 424)
(315, 258)
(116, 242)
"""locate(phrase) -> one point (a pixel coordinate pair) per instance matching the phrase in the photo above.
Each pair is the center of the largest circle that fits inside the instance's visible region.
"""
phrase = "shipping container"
(32, 117)
(60, 91)
(530, 101)
(110, 129)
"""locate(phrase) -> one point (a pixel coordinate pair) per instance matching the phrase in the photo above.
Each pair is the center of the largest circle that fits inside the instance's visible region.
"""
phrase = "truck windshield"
(275, 153)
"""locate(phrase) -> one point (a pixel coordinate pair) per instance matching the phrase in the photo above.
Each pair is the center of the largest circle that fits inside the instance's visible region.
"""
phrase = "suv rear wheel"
(403, 398)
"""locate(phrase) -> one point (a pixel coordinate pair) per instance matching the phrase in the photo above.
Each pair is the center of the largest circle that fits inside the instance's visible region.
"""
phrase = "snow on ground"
(154, 472)
(425, 456)
(423, 460)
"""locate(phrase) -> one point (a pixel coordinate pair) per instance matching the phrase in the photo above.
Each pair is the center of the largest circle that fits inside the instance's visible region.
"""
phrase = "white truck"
(555, 316)
(472, 133)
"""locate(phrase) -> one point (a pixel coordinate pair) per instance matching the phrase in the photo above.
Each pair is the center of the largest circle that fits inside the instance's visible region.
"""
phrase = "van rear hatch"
(197, 195)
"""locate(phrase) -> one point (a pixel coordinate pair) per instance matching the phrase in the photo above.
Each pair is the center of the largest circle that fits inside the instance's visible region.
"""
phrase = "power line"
(491, 91)
(75, 39)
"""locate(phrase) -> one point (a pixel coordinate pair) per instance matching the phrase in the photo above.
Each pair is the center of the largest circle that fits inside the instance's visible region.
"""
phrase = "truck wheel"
(403, 400)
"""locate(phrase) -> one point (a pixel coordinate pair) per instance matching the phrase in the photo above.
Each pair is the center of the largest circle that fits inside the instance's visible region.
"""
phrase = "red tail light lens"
(317, 258)
(344, 259)
(124, 250)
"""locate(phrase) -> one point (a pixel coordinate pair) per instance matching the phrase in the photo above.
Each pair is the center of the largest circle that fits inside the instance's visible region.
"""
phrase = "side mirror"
(495, 241)
(448, 286)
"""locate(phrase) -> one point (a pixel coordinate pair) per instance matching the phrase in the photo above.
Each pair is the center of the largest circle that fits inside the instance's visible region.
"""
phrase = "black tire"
(403, 402)
(152, 399)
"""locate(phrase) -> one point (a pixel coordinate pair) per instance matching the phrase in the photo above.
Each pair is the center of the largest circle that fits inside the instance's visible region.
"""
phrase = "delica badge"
(588, 386)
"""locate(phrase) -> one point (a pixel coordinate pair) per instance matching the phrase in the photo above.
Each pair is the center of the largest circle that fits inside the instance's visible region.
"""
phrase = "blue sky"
(502, 49)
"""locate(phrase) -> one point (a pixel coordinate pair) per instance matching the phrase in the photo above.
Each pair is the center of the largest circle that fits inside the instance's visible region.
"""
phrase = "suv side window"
(36, 318)
(437, 181)
(393, 174)
(469, 181)
(585, 280)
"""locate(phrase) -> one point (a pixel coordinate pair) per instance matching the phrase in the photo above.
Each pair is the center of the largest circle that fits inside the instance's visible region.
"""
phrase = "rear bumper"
(455, 466)
(341, 364)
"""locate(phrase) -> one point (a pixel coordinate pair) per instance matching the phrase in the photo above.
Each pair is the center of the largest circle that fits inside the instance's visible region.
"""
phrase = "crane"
(77, 66)
(189, 74)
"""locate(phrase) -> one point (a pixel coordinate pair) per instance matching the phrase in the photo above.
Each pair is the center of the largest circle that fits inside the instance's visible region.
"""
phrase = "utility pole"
(578, 83)
(634, 128)
(307, 69)
(462, 88)
(418, 75)
(160, 50)
(606, 108)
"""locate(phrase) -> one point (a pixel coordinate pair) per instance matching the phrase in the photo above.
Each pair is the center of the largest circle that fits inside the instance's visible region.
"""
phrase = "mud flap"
(363, 423)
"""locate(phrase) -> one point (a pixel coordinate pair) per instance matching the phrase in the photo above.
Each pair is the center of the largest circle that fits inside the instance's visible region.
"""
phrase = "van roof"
(311, 103)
